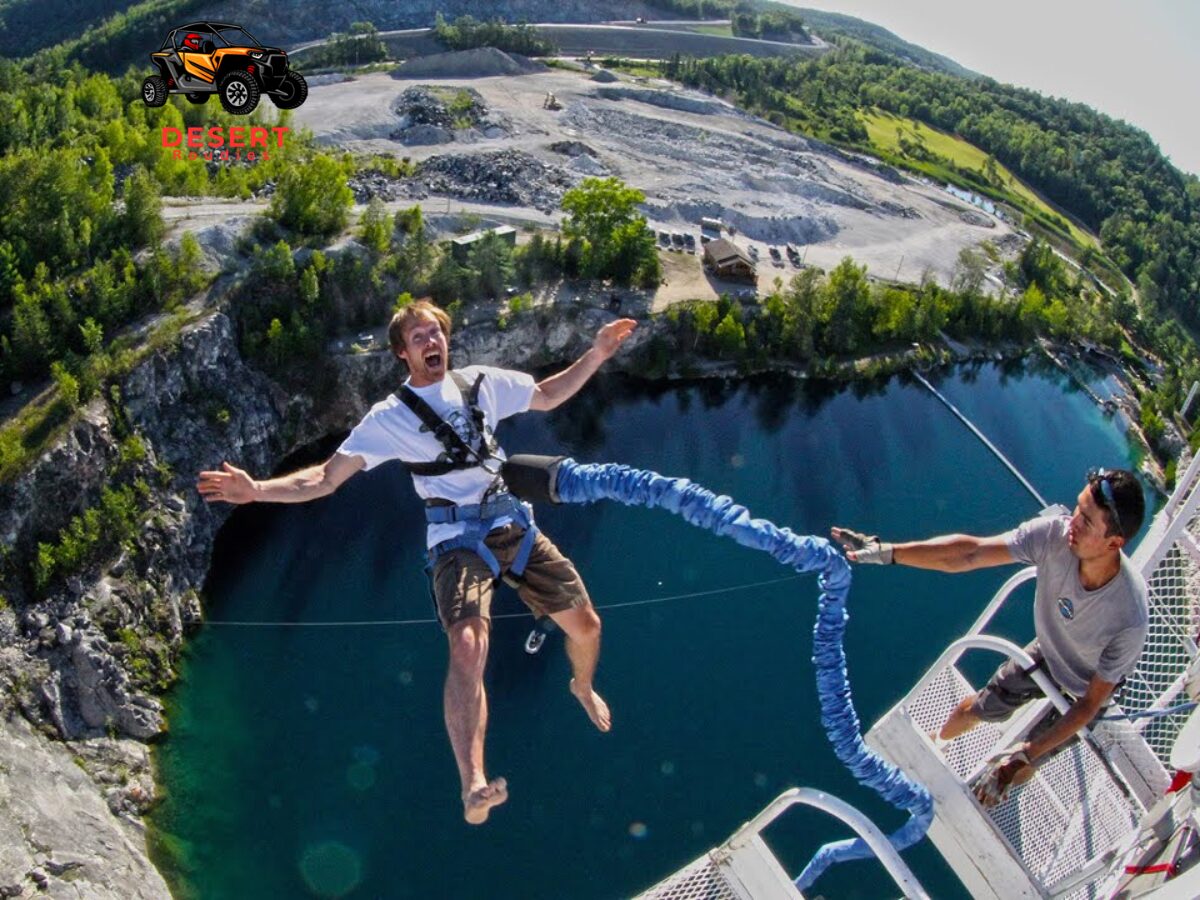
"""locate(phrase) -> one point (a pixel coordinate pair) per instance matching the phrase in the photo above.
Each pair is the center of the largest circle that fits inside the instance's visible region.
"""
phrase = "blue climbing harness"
(480, 519)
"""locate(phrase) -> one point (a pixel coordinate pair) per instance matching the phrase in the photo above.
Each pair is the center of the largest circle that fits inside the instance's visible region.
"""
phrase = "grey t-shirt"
(1082, 633)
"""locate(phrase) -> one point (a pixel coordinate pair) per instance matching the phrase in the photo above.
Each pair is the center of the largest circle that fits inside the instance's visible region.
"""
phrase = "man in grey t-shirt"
(1090, 611)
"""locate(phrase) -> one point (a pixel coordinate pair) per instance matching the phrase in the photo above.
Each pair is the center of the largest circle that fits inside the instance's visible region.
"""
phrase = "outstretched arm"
(1082, 711)
(234, 485)
(557, 389)
(1017, 765)
(948, 553)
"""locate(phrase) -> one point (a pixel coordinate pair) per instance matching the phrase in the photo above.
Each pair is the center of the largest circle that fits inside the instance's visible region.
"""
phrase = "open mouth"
(433, 361)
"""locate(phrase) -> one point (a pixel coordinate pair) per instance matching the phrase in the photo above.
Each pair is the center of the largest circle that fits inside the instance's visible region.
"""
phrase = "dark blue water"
(310, 761)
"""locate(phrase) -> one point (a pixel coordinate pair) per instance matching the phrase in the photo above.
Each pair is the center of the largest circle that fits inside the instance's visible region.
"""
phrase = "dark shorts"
(463, 584)
(1011, 688)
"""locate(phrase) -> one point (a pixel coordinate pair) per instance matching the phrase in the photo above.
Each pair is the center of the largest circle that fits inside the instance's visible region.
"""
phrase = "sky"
(1136, 61)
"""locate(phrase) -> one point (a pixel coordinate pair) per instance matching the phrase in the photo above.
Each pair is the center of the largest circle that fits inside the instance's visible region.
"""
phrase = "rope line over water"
(517, 615)
(983, 437)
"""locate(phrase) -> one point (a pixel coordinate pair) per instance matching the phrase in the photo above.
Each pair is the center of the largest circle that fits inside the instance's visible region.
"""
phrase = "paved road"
(194, 214)
(655, 40)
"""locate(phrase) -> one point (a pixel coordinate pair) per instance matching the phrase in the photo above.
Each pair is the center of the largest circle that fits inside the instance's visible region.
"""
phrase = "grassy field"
(637, 68)
(886, 131)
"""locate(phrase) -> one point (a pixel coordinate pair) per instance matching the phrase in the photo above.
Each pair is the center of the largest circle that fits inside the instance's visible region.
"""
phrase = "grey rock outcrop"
(59, 837)
(76, 659)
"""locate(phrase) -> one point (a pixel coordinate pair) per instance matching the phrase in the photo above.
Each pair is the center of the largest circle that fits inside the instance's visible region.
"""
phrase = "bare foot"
(479, 802)
(594, 706)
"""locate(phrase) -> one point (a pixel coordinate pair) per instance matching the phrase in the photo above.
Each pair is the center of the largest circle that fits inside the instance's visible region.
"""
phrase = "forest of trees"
(359, 45)
(818, 317)
(466, 33)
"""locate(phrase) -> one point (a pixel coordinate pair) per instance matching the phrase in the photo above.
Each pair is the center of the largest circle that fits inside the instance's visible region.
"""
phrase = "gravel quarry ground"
(692, 155)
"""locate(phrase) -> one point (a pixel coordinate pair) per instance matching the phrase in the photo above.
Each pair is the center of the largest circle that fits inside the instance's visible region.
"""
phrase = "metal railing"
(840, 809)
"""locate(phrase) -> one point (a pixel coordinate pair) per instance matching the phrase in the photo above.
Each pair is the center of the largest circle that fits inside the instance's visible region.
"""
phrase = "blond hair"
(412, 315)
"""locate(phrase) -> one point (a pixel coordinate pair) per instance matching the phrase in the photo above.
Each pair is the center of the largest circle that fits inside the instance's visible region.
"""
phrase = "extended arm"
(557, 389)
(948, 553)
(234, 485)
(954, 553)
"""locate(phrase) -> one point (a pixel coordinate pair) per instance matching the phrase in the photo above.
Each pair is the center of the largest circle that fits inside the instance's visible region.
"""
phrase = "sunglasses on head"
(1103, 478)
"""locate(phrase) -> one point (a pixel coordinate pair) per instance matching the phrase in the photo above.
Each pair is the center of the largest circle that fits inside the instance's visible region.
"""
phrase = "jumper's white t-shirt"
(392, 431)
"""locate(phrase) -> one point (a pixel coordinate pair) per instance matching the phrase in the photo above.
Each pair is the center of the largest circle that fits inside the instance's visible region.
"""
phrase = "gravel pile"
(505, 176)
(368, 185)
(573, 149)
(438, 115)
(421, 106)
(684, 101)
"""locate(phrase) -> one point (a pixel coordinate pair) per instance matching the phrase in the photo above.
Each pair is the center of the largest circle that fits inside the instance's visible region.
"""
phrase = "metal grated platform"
(702, 879)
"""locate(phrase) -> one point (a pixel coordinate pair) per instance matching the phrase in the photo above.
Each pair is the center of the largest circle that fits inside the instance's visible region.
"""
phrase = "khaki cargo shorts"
(463, 584)
(1012, 687)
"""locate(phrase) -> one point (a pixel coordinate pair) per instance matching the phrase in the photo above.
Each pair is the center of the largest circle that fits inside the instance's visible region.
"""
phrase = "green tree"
(32, 341)
(417, 251)
(67, 384)
(375, 228)
(93, 336)
(276, 263)
(142, 220)
(602, 214)
(843, 305)
(310, 288)
(730, 336)
(491, 263)
(277, 343)
(969, 272)
(313, 198)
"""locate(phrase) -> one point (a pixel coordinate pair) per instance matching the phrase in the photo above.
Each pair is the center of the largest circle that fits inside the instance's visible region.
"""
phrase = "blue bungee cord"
(562, 480)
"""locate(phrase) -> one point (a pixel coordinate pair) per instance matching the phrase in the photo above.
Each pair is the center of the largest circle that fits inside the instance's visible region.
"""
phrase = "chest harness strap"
(457, 454)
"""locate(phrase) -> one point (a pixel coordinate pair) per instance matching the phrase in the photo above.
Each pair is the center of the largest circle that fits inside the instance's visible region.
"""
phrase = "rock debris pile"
(440, 115)
(504, 176)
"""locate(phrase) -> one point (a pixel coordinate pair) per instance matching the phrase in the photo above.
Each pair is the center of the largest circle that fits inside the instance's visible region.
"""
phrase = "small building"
(725, 259)
(460, 247)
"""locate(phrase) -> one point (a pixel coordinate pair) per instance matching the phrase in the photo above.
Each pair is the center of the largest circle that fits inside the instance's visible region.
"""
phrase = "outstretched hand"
(862, 548)
(610, 337)
(231, 485)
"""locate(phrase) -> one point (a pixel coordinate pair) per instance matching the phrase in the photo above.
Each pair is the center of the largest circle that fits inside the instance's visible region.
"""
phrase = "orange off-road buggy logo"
(207, 58)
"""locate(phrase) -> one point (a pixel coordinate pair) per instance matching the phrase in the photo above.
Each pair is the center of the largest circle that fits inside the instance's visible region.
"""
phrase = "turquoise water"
(308, 761)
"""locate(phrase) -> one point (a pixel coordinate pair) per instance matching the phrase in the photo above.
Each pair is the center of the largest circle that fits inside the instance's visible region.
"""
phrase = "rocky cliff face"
(82, 661)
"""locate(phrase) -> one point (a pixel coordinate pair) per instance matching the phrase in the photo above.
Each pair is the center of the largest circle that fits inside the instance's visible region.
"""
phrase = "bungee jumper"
(440, 426)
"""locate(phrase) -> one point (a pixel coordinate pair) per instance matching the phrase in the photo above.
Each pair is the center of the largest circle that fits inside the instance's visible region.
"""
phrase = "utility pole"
(896, 277)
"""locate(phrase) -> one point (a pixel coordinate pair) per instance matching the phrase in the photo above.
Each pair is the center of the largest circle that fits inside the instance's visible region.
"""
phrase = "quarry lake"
(308, 760)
